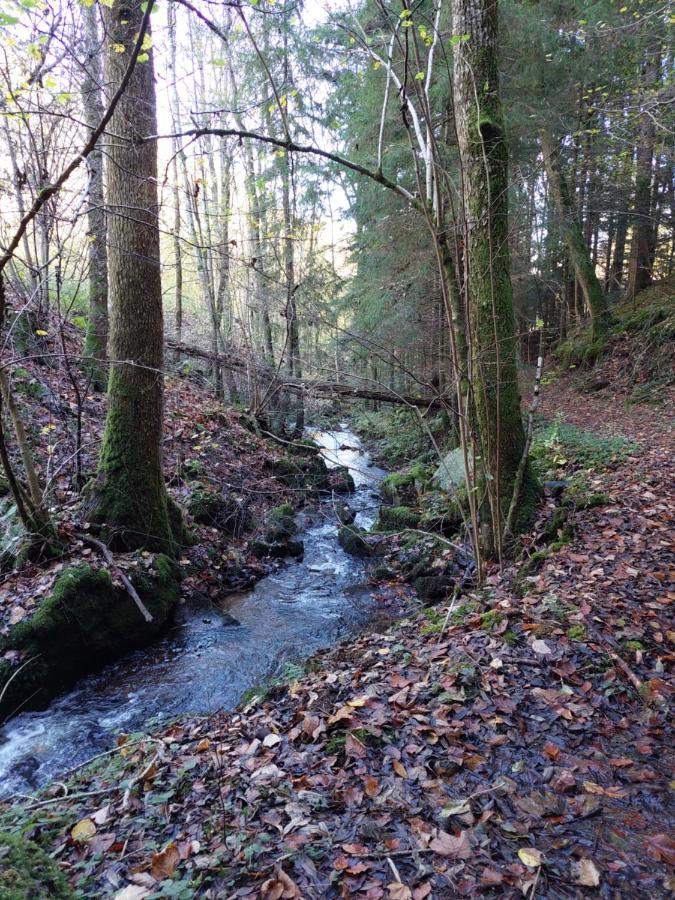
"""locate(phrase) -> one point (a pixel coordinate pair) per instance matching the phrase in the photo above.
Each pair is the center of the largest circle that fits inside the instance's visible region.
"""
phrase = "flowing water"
(202, 665)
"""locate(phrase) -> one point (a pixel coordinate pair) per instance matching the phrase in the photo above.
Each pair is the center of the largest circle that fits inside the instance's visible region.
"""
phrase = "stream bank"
(203, 664)
(475, 748)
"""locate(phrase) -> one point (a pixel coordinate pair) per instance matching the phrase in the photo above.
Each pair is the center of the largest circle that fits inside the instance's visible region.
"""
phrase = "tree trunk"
(175, 153)
(639, 264)
(131, 499)
(96, 340)
(594, 296)
(616, 271)
(494, 341)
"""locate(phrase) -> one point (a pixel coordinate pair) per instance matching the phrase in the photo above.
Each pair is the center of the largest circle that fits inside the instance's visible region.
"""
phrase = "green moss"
(86, 622)
(255, 694)
(577, 633)
(341, 480)
(335, 745)
(557, 528)
(582, 350)
(509, 637)
(280, 523)
(302, 473)
(27, 872)
(559, 446)
(398, 487)
(441, 514)
(279, 513)
(396, 518)
(353, 540)
(219, 511)
(193, 467)
(533, 564)
(633, 645)
(491, 619)
(205, 507)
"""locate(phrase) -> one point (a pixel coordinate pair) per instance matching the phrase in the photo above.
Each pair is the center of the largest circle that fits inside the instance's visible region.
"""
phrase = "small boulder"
(345, 513)
(227, 513)
(450, 475)
(341, 480)
(354, 540)
(396, 518)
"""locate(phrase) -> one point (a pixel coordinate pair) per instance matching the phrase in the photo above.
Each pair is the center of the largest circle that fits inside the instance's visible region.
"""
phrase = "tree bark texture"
(96, 341)
(131, 499)
(500, 436)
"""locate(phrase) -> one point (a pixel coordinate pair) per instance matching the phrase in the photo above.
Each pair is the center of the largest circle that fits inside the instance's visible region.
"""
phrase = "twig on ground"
(107, 555)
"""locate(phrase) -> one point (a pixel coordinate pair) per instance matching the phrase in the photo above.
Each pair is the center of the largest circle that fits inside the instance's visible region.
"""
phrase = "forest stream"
(203, 665)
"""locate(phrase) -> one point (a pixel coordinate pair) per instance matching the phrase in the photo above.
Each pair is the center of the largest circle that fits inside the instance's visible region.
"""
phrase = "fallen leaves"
(585, 872)
(454, 846)
(164, 863)
(83, 831)
(530, 856)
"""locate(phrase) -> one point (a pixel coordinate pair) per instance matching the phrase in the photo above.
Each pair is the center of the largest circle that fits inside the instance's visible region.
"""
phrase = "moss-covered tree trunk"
(594, 295)
(130, 498)
(95, 345)
(492, 331)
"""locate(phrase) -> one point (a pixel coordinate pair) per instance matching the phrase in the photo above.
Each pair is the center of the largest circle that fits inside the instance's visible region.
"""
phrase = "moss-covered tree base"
(86, 622)
(27, 872)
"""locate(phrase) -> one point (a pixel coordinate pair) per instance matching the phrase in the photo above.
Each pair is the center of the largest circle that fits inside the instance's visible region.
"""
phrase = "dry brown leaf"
(354, 747)
(585, 872)
(448, 845)
(398, 891)
(164, 863)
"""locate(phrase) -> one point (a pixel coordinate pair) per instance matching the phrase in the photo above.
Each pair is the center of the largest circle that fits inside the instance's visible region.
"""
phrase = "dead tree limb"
(235, 361)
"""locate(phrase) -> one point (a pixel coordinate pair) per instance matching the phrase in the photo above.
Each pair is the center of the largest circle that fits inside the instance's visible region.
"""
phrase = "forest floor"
(207, 448)
(516, 744)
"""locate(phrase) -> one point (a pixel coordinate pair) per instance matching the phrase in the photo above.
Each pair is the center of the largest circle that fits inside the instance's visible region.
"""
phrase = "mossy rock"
(302, 473)
(441, 514)
(280, 523)
(354, 541)
(27, 872)
(558, 528)
(217, 510)
(276, 549)
(341, 480)
(86, 622)
(345, 514)
(396, 518)
(398, 488)
(533, 564)
(432, 588)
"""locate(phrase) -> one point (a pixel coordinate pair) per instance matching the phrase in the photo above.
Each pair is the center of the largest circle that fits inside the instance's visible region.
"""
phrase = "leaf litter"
(406, 764)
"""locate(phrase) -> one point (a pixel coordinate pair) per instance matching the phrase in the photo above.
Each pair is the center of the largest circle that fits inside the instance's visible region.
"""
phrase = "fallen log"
(237, 362)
